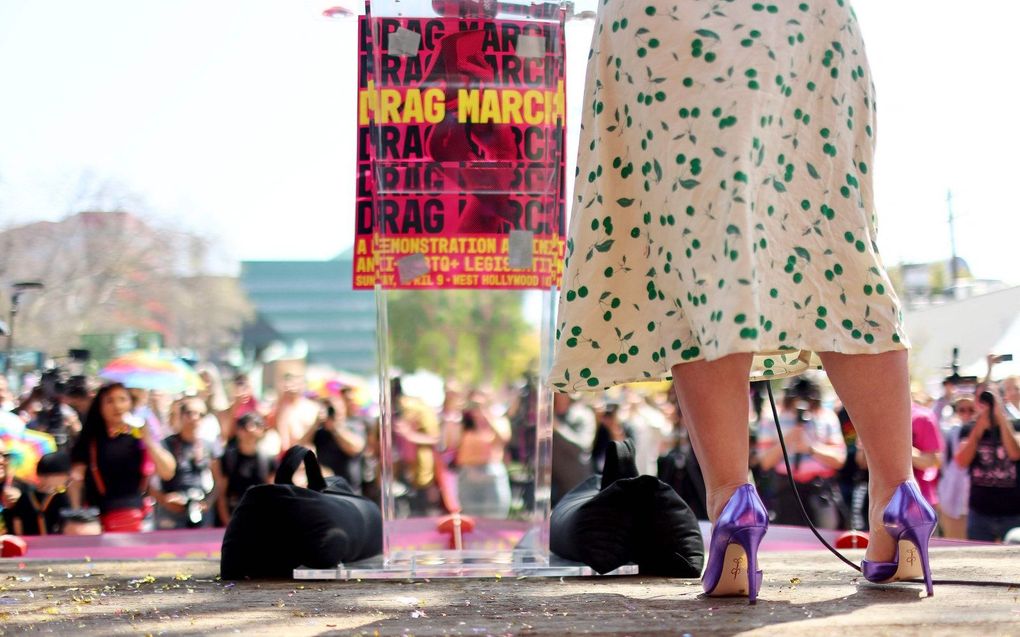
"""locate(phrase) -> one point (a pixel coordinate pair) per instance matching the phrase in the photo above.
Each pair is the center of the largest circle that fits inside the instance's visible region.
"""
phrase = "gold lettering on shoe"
(911, 557)
(736, 570)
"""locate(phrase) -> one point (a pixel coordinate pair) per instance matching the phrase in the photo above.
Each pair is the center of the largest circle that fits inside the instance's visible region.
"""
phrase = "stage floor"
(804, 593)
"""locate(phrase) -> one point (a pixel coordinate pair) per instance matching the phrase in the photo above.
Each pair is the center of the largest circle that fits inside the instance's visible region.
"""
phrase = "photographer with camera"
(954, 482)
(990, 450)
(814, 436)
(78, 395)
(243, 464)
(183, 500)
(338, 441)
(481, 438)
(49, 413)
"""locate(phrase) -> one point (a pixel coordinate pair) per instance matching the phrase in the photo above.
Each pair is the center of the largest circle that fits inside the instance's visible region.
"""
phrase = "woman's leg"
(875, 389)
(715, 400)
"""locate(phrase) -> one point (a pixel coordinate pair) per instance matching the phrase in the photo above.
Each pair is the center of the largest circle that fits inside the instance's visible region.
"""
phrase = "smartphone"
(1002, 358)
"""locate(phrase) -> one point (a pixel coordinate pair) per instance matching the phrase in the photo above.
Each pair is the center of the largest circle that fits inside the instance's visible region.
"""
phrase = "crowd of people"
(965, 453)
(135, 460)
(131, 460)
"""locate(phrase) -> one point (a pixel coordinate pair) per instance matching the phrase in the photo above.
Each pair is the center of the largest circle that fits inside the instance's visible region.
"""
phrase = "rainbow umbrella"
(25, 449)
(152, 370)
(332, 383)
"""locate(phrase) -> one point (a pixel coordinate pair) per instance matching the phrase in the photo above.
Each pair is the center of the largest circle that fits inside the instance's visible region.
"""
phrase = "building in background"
(311, 306)
(976, 326)
(115, 280)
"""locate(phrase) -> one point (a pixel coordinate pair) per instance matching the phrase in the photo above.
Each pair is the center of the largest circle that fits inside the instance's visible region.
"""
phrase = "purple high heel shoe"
(910, 520)
(733, 551)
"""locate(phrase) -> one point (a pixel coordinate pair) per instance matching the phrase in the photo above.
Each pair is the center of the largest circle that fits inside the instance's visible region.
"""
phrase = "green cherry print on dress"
(723, 198)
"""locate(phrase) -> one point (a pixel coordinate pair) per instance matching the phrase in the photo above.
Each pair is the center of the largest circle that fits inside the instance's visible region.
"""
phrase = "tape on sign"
(530, 46)
(411, 267)
(522, 249)
(404, 42)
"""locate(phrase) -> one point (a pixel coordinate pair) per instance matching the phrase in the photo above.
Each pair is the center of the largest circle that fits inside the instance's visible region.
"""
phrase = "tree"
(476, 336)
(938, 279)
(111, 272)
(896, 279)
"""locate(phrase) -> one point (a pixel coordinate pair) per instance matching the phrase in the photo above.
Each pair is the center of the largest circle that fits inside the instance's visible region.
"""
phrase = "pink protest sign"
(460, 153)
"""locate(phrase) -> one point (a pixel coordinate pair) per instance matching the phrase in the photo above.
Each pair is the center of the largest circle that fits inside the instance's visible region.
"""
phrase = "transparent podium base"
(457, 564)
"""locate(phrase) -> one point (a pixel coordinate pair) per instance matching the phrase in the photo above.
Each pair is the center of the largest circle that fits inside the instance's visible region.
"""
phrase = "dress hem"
(805, 359)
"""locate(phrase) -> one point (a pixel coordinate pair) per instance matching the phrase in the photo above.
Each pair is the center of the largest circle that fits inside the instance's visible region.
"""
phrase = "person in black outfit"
(338, 441)
(853, 477)
(573, 435)
(113, 459)
(54, 417)
(678, 467)
(36, 509)
(182, 500)
(610, 428)
(990, 448)
(242, 465)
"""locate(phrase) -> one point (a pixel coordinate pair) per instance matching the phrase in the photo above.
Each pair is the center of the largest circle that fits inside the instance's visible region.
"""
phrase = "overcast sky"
(236, 119)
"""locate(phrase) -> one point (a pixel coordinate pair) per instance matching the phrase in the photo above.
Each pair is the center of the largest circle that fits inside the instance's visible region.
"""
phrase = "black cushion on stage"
(671, 544)
(279, 527)
(631, 518)
(594, 527)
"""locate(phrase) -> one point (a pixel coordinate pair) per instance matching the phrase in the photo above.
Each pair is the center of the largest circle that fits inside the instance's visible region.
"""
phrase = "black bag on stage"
(627, 518)
(279, 527)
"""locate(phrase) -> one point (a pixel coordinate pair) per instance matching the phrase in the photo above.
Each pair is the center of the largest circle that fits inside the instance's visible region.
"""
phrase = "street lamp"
(18, 288)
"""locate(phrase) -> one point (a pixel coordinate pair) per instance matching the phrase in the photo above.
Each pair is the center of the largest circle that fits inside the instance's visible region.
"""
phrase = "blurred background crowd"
(86, 454)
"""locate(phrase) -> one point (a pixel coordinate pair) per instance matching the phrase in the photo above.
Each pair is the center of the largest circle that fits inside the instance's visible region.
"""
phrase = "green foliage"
(938, 278)
(472, 335)
(896, 278)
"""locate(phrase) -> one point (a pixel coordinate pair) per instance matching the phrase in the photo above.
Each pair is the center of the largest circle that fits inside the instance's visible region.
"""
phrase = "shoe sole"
(733, 581)
(909, 562)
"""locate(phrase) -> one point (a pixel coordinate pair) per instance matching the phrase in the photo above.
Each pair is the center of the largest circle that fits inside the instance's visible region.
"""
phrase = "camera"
(50, 418)
(53, 382)
(966, 384)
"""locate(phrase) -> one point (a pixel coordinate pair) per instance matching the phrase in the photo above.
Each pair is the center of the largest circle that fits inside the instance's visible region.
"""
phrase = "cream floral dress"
(723, 200)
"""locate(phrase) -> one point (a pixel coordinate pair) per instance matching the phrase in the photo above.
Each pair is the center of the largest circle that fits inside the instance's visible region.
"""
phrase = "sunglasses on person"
(193, 413)
(965, 410)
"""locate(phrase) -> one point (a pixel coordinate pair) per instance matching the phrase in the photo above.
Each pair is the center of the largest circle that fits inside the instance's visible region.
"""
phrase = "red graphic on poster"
(460, 151)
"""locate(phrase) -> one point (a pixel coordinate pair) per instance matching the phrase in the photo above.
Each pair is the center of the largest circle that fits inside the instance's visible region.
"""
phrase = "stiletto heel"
(749, 540)
(919, 538)
(911, 521)
(732, 568)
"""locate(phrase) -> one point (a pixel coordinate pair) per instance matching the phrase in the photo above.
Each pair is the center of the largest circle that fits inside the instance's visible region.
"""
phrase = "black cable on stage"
(793, 484)
(807, 518)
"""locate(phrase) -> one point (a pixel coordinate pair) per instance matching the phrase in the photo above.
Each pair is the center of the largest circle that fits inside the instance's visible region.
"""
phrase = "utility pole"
(954, 268)
(19, 288)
